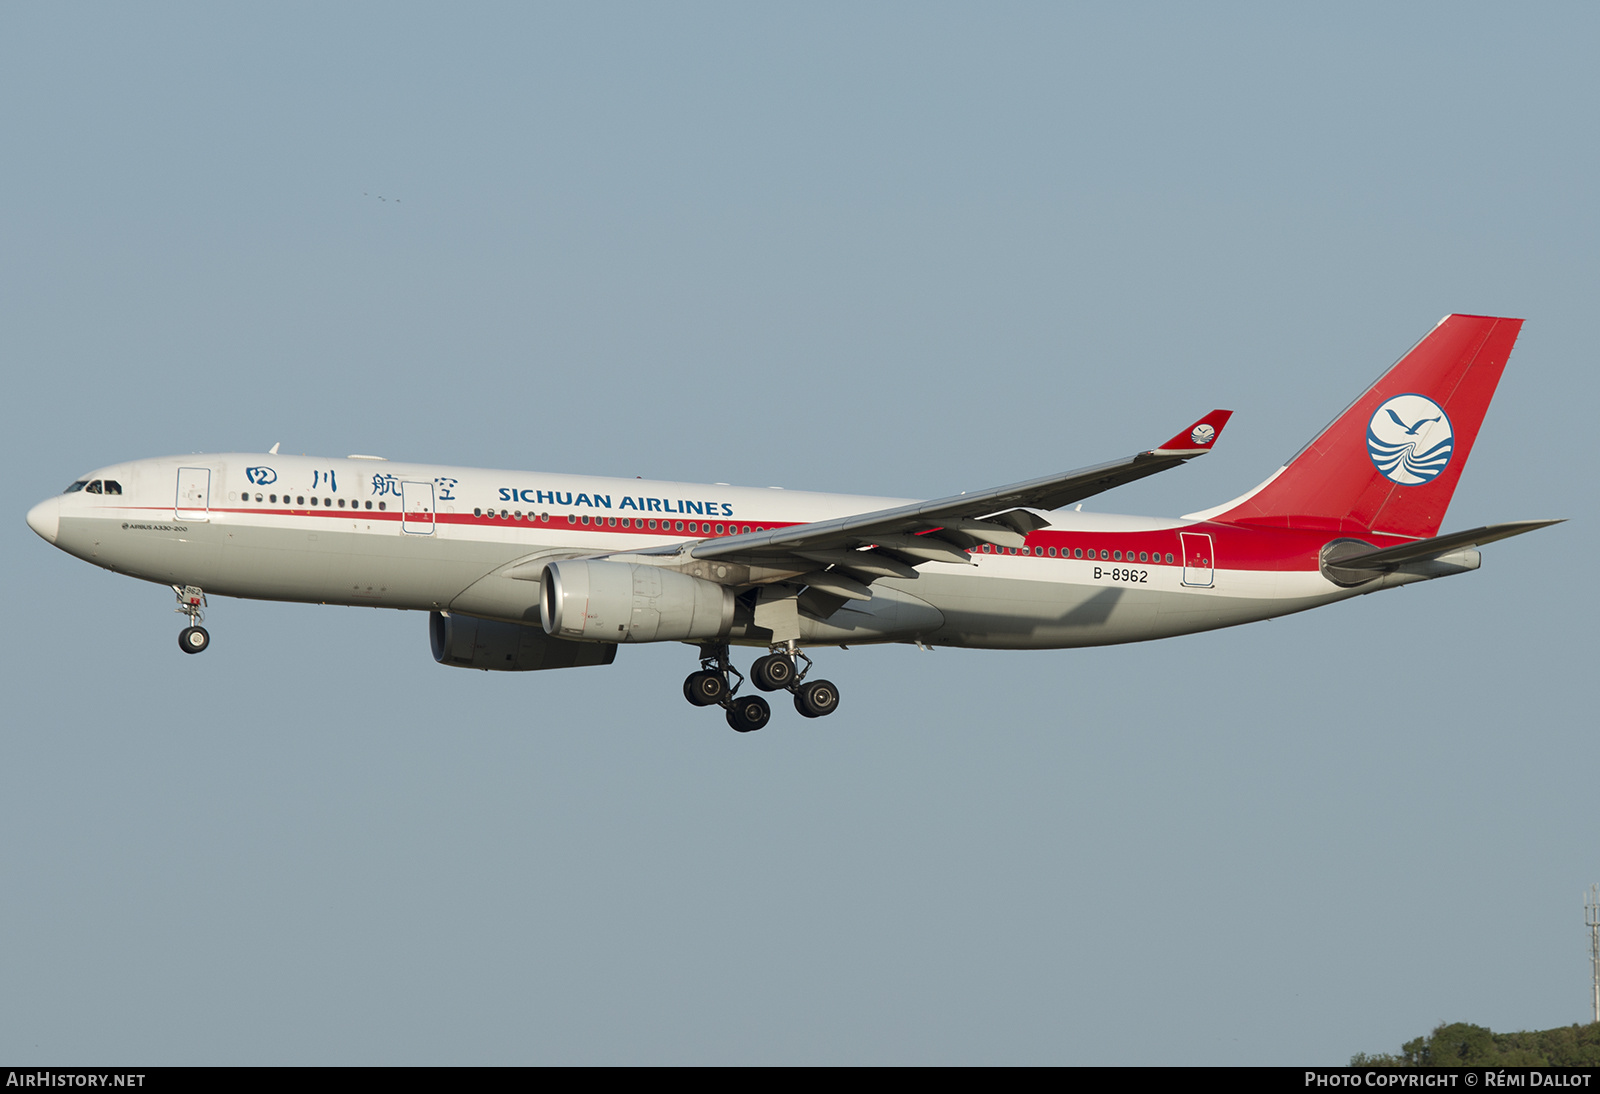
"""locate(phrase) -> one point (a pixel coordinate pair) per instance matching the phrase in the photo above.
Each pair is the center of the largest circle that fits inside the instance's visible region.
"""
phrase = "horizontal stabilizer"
(1390, 557)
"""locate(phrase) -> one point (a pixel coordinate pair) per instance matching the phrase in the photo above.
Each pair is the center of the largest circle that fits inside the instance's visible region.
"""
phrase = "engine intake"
(588, 601)
(469, 643)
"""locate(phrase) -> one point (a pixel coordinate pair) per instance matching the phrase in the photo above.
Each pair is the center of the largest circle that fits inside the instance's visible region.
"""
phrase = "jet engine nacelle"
(471, 643)
(590, 601)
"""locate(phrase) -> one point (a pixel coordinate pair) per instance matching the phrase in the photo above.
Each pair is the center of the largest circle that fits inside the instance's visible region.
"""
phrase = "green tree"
(1461, 1044)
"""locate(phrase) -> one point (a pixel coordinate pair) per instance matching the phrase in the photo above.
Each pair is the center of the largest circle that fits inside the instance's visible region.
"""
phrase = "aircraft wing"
(942, 530)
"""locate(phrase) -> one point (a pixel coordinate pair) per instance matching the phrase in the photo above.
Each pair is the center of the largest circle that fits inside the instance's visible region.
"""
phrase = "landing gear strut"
(775, 671)
(194, 638)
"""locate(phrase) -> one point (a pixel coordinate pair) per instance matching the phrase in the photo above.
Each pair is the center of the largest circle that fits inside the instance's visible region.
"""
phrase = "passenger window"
(299, 500)
(679, 525)
(75, 487)
(369, 505)
(113, 486)
(652, 524)
(381, 504)
(93, 487)
(313, 501)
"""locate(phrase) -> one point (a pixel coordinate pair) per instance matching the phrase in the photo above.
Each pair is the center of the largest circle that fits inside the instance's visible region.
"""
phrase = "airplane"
(521, 571)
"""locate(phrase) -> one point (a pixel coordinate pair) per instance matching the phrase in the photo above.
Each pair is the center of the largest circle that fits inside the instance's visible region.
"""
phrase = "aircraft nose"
(45, 518)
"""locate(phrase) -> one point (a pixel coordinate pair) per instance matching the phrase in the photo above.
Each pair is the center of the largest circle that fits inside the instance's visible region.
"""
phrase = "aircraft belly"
(1244, 596)
(354, 566)
(153, 548)
(1019, 612)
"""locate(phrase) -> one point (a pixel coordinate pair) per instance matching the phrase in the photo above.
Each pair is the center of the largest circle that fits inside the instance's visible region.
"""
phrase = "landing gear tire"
(748, 713)
(817, 699)
(194, 640)
(774, 672)
(705, 688)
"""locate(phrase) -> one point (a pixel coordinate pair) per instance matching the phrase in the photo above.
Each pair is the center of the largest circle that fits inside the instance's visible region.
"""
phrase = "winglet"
(1197, 438)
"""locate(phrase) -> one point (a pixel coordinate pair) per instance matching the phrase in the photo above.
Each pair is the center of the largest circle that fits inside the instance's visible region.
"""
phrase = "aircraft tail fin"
(1391, 461)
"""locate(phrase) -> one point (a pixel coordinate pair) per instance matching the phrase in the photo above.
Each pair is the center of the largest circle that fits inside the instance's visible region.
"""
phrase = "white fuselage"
(469, 541)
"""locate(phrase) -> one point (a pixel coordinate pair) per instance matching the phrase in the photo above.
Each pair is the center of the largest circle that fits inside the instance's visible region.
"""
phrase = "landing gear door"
(416, 508)
(194, 494)
(1198, 566)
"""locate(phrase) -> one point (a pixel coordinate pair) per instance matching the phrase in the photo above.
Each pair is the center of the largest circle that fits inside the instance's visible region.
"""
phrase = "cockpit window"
(113, 486)
(75, 487)
(93, 487)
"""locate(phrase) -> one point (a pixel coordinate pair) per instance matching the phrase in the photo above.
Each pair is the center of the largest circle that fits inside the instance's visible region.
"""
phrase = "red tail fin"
(1390, 463)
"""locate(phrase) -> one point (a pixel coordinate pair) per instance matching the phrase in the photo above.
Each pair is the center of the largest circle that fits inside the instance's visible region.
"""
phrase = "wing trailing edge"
(860, 548)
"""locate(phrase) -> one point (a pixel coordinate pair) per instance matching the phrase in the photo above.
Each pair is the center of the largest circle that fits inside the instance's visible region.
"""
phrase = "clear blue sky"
(891, 249)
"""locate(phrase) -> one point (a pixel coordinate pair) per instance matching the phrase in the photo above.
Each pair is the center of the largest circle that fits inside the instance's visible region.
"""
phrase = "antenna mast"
(1591, 916)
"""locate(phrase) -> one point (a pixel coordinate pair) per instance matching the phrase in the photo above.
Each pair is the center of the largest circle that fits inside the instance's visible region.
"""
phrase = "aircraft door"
(1198, 567)
(416, 508)
(194, 494)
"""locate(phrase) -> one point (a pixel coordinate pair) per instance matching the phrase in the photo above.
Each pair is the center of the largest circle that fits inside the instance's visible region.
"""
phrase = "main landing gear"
(194, 638)
(776, 671)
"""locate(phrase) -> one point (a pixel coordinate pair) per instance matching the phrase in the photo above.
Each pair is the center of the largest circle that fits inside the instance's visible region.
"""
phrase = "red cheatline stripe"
(1234, 547)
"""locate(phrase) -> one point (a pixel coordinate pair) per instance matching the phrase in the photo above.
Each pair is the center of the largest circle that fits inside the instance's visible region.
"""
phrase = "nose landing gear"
(775, 671)
(194, 638)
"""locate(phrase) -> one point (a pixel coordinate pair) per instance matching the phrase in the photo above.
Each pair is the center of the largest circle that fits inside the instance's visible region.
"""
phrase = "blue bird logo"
(1414, 454)
(1411, 430)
